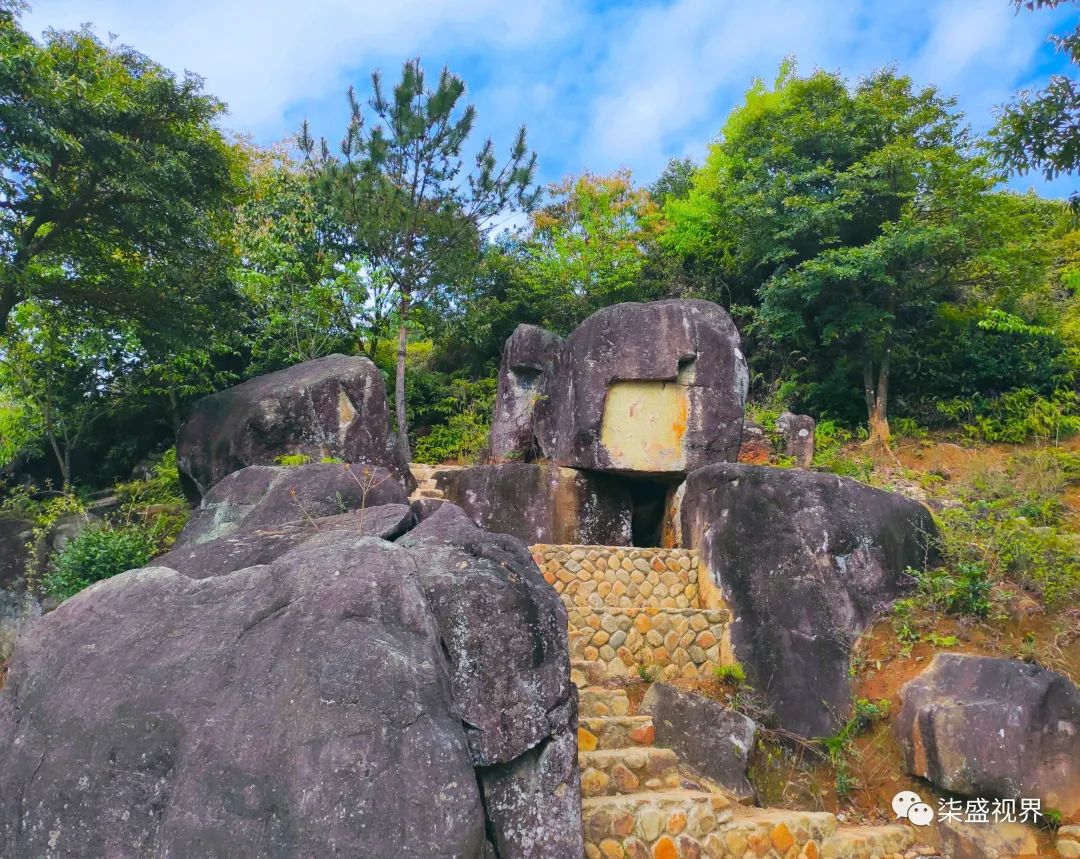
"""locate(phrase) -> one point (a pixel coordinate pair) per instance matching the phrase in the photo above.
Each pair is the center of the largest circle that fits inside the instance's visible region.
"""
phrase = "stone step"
(620, 576)
(638, 826)
(615, 732)
(615, 771)
(586, 673)
(659, 643)
(866, 842)
(598, 701)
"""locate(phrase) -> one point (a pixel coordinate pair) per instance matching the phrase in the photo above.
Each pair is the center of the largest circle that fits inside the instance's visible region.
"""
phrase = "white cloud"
(628, 85)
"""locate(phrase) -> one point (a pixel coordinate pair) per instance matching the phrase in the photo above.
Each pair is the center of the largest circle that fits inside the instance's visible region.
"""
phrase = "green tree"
(114, 183)
(589, 246)
(1041, 130)
(404, 201)
(841, 213)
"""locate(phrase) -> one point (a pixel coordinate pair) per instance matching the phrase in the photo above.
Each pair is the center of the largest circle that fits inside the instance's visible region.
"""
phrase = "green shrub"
(830, 440)
(292, 460)
(161, 487)
(731, 675)
(1016, 416)
(962, 588)
(96, 554)
(463, 436)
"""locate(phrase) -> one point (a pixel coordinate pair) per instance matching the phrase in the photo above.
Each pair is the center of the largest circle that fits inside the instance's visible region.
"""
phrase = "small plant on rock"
(648, 673)
(292, 460)
(730, 675)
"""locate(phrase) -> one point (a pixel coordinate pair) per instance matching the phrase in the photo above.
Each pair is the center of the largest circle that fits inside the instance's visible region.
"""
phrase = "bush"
(961, 589)
(1016, 416)
(96, 554)
(466, 412)
(732, 675)
(829, 454)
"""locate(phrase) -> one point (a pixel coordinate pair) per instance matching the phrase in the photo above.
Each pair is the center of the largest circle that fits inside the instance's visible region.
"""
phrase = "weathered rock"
(986, 840)
(805, 561)
(17, 607)
(246, 548)
(542, 503)
(268, 496)
(527, 359)
(656, 387)
(756, 447)
(798, 432)
(329, 407)
(714, 740)
(980, 726)
(339, 700)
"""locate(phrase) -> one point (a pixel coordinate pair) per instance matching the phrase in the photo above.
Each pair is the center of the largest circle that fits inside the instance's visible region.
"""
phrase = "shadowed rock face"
(347, 696)
(714, 740)
(542, 503)
(268, 496)
(527, 358)
(980, 726)
(17, 607)
(656, 387)
(805, 561)
(333, 406)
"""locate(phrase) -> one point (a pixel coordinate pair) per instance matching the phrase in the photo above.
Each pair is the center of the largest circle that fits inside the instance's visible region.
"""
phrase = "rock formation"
(798, 433)
(986, 727)
(329, 407)
(805, 561)
(542, 503)
(344, 696)
(17, 607)
(527, 359)
(713, 739)
(655, 388)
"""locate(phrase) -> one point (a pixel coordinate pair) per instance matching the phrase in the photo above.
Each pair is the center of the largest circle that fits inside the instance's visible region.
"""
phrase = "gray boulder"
(527, 358)
(349, 696)
(980, 726)
(268, 496)
(805, 561)
(542, 503)
(656, 388)
(714, 740)
(329, 407)
(798, 433)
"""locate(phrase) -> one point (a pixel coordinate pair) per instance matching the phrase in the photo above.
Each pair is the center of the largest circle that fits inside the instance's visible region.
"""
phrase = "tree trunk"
(399, 385)
(877, 400)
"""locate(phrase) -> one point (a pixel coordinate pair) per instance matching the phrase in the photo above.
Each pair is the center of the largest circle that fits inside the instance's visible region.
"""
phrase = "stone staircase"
(631, 607)
(425, 480)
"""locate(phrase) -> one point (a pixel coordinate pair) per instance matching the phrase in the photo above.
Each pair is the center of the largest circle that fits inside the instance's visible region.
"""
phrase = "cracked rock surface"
(321, 692)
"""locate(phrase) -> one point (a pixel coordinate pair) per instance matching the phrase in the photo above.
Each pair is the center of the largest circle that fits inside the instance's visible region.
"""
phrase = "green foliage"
(837, 748)
(834, 452)
(730, 675)
(463, 437)
(962, 588)
(648, 673)
(292, 460)
(96, 554)
(1017, 416)
(115, 181)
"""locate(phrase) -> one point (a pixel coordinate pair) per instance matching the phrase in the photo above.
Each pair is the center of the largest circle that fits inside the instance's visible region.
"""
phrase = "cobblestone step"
(866, 842)
(615, 771)
(588, 673)
(662, 643)
(640, 826)
(615, 732)
(621, 576)
(598, 701)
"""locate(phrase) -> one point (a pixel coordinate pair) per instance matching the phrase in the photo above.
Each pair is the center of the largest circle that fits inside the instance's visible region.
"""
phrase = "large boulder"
(267, 496)
(715, 740)
(988, 727)
(348, 697)
(656, 388)
(329, 407)
(805, 561)
(542, 503)
(527, 358)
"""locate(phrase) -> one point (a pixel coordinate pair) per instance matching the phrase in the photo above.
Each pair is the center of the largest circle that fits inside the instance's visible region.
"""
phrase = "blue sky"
(600, 85)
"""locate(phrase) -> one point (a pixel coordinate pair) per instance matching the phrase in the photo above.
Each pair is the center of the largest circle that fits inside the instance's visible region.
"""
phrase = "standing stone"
(798, 432)
(329, 407)
(714, 740)
(805, 561)
(542, 503)
(656, 388)
(987, 727)
(527, 359)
